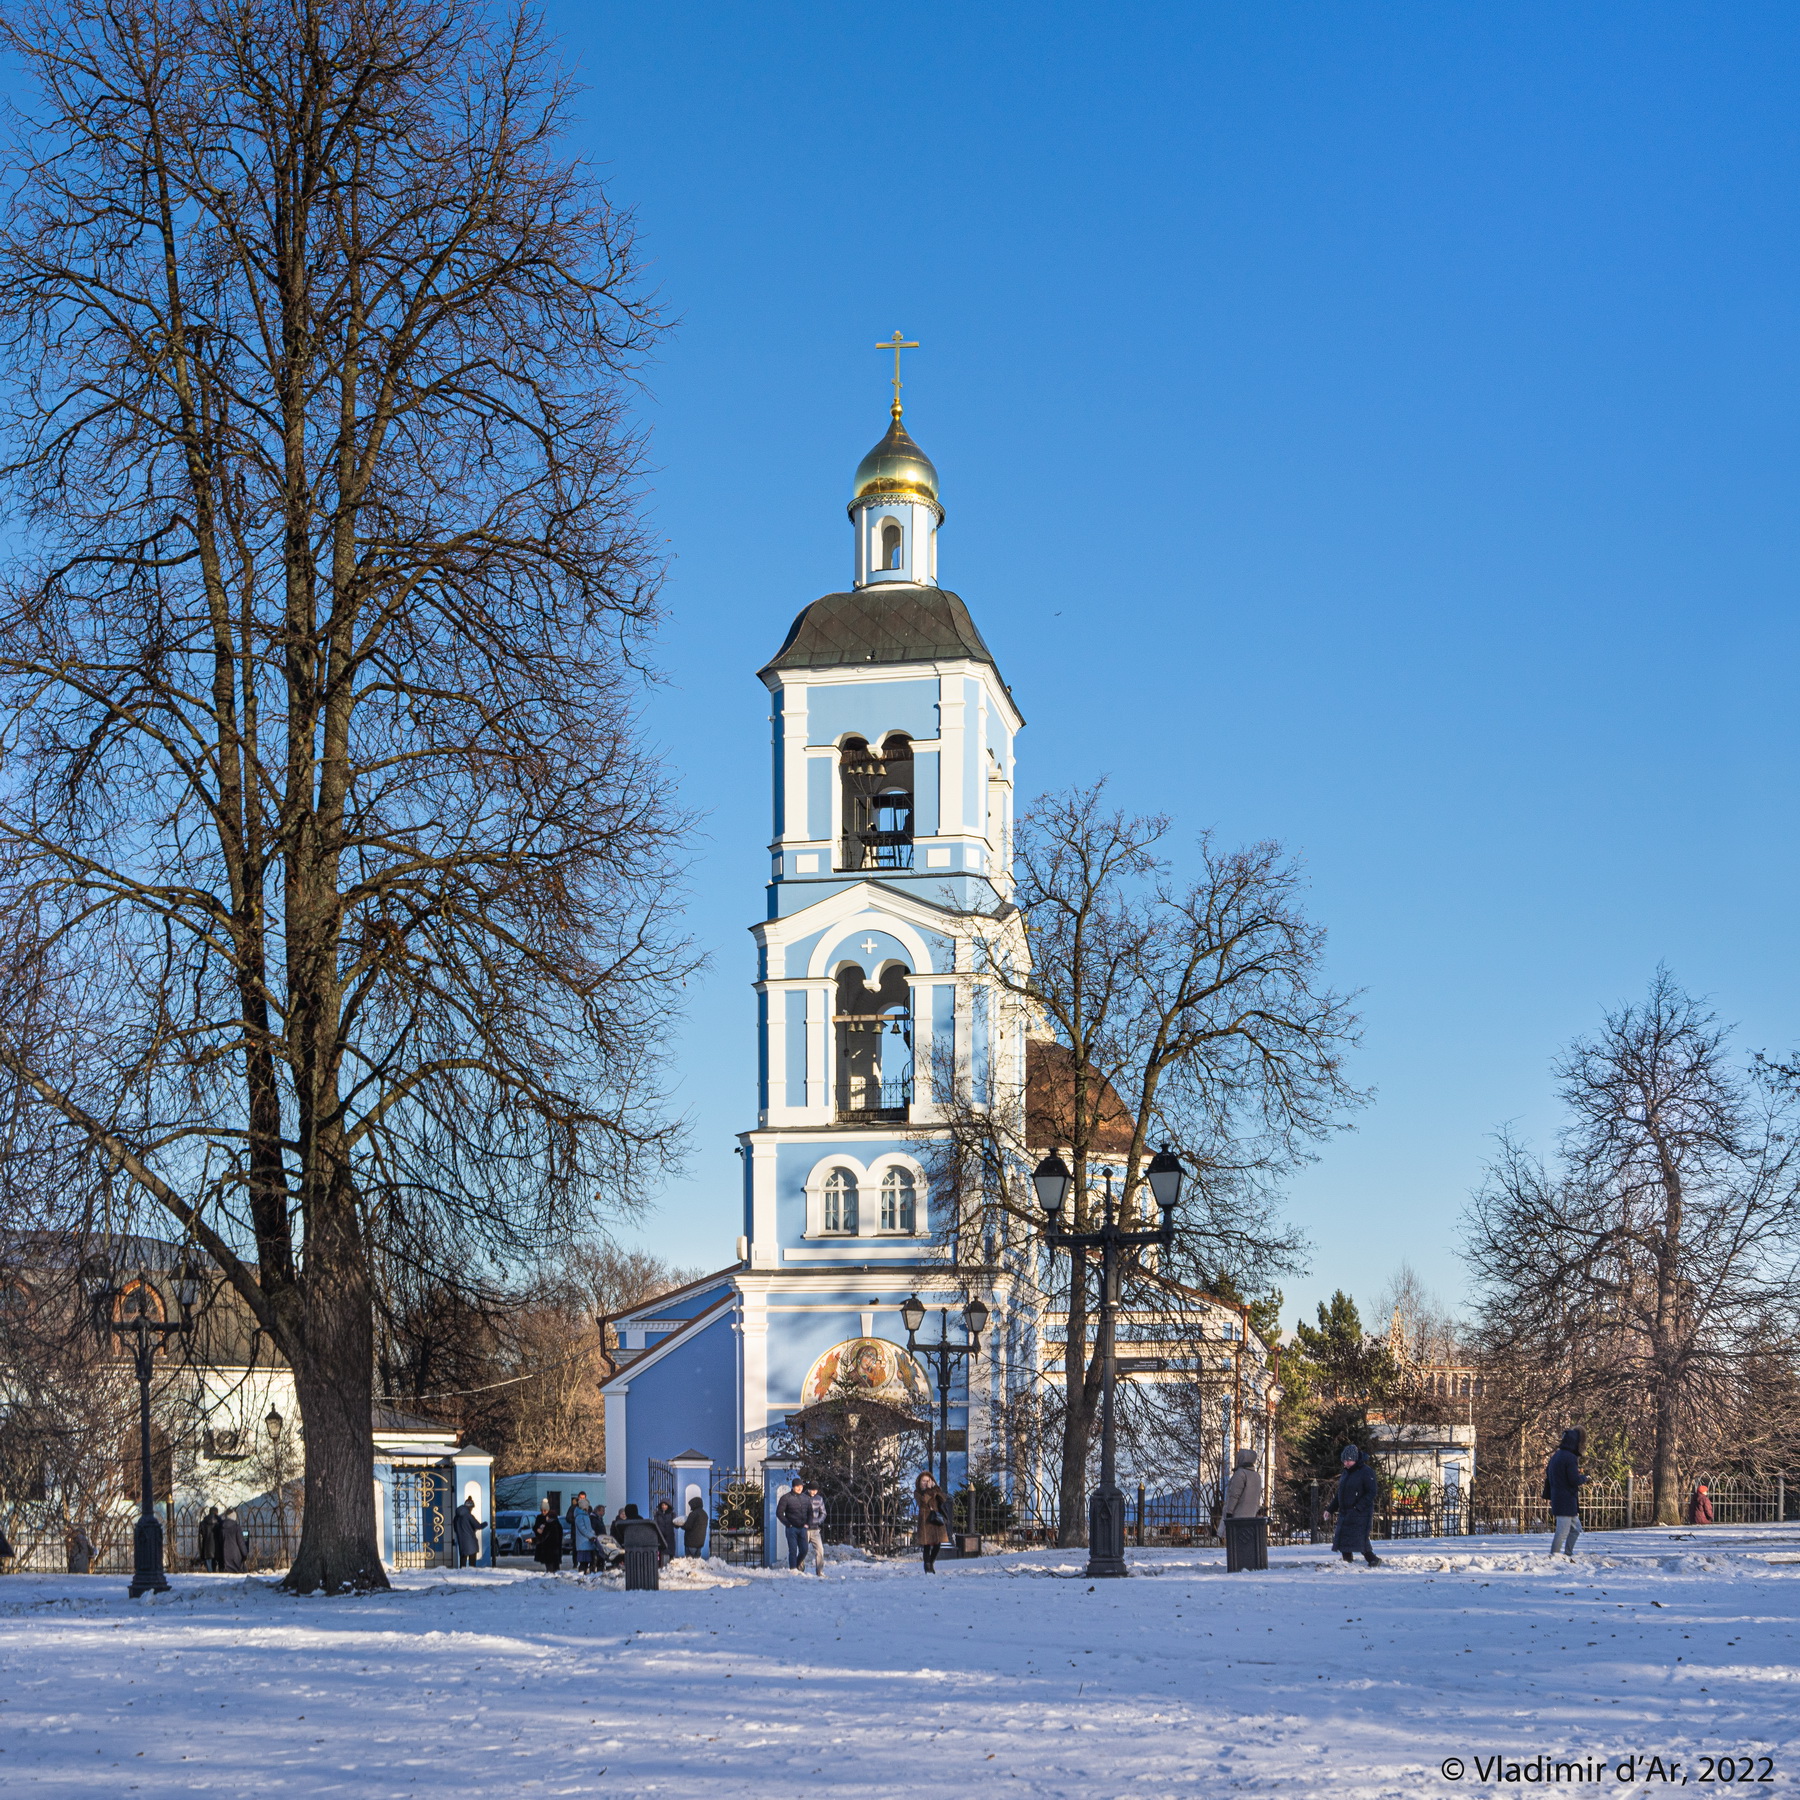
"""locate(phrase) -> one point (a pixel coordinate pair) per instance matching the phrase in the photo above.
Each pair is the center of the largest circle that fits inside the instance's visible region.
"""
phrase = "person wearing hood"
(693, 1528)
(1563, 1481)
(1700, 1508)
(234, 1547)
(1354, 1504)
(1245, 1545)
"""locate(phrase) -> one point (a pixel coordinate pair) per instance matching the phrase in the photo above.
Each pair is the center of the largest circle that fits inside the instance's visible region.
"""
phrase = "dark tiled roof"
(886, 622)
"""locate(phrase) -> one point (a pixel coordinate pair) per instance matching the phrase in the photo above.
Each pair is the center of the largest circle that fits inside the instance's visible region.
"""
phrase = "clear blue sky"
(1375, 428)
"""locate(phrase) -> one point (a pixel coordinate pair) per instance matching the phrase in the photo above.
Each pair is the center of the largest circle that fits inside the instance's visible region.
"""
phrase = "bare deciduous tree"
(1654, 1267)
(334, 877)
(1192, 1013)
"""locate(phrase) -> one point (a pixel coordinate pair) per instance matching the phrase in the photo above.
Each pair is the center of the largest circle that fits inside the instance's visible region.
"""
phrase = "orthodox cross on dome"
(896, 344)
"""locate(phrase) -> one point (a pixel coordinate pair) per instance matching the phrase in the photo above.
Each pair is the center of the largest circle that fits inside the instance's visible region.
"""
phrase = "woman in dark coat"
(933, 1530)
(209, 1539)
(546, 1538)
(663, 1518)
(1354, 1504)
(234, 1547)
(693, 1528)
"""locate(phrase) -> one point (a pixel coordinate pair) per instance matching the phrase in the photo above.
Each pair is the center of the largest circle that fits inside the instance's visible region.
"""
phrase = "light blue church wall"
(818, 798)
(795, 1161)
(871, 709)
(926, 810)
(687, 1401)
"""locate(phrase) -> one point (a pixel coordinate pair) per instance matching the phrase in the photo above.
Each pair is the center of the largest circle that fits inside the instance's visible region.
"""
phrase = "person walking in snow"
(663, 1518)
(547, 1538)
(467, 1530)
(234, 1547)
(1700, 1508)
(815, 1529)
(792, 1511)
(1563, 1481)
(1354, 1503)
(81, 1551)
(933, 1530)
(1245, 1547)
(693, 1528)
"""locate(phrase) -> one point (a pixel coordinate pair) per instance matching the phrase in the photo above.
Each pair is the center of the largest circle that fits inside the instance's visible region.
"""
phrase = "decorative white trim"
(868, 1199)
(856, 1249)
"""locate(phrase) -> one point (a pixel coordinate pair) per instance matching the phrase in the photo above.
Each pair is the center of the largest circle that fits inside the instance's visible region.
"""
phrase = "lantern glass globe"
(1051, 1179)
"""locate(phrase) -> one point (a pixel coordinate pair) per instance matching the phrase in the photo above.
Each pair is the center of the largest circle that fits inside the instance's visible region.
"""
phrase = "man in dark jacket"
(1354, 1504)
(793, 1511)
(693, 1528)
(662, 1516)
(1563, 1481)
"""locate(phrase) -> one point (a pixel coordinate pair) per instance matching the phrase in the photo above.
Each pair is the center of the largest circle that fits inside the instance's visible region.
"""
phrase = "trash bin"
(1246, 1544)
(968, 1544)
(643, 1548)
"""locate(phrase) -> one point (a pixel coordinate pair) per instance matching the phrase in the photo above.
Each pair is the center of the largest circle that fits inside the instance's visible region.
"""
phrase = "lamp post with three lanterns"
(125, 1312)
(1106, 1506)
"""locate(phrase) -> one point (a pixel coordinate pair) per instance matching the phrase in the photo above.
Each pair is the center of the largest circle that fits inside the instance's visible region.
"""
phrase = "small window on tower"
(890, 545)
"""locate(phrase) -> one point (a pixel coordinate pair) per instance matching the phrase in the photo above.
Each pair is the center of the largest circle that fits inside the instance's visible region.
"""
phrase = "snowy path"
(1010, 1673)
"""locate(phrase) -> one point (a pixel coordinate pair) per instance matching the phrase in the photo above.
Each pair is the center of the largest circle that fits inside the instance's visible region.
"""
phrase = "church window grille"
(840, 1203)
(878, 803)
(899, 1202)
(890, 544)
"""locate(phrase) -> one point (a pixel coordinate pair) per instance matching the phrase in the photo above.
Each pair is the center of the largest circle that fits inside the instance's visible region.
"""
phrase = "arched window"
(840, 1202)
(899, 1203)
(890, 544)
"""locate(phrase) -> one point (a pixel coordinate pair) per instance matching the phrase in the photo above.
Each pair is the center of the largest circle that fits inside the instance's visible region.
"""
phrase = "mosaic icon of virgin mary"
(880, 1369)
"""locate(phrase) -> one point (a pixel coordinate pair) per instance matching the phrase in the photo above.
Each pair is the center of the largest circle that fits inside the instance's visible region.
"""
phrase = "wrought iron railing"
(870, 1097)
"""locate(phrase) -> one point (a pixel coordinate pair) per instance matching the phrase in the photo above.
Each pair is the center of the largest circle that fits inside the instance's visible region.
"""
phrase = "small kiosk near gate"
(423, 1473)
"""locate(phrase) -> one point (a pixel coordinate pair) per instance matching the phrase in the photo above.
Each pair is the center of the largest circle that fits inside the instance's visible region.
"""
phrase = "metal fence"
(40, 1534)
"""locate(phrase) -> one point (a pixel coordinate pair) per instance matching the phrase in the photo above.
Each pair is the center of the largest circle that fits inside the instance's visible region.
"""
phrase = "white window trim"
(868, 1199)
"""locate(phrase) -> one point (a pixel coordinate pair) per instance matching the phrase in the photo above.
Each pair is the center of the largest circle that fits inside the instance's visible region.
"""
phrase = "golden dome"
(896, 466)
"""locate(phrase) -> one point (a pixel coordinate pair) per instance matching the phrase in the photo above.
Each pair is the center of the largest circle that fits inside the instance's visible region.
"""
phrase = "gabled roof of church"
(885, 622)
(649, 1306)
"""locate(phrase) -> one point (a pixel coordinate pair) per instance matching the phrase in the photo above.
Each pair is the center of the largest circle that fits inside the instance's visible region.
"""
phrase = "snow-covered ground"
(1310, 1679)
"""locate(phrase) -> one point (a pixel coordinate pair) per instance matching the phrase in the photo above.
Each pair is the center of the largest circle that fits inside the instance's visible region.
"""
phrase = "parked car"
(512, 1534)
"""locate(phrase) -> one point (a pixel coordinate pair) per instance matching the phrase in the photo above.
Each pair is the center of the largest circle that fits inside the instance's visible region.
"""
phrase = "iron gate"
(421, 1518)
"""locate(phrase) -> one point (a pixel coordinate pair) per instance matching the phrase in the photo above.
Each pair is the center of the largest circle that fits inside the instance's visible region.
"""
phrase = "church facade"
(892, 764)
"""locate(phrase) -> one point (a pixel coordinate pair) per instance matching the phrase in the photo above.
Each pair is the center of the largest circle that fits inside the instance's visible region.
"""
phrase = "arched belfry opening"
(892, 544)
(878, 803)
(873, 1027)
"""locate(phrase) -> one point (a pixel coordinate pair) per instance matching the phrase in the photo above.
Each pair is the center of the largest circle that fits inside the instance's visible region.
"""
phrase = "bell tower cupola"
(894, 506)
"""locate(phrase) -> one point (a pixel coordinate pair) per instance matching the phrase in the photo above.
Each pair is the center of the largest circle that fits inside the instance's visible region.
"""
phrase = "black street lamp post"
(1106, 1507)
(125, 1312)
(944, 1353)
